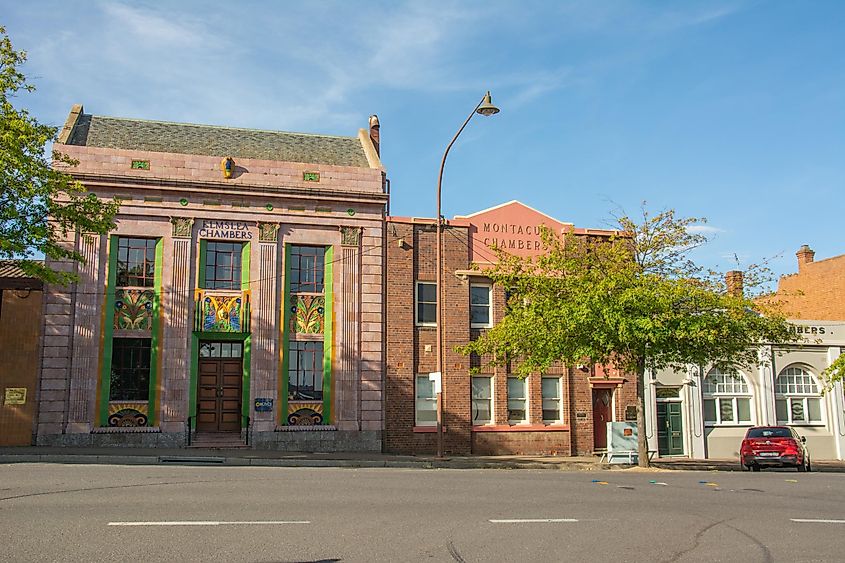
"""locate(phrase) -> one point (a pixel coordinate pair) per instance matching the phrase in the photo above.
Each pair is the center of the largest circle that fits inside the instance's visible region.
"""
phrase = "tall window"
(425, 407)
(482, 400)
(223, 265)
(551, 400)
(307, 269)
(136, 260)
(727, 399)
(797, 397)
(130, 370)
(517, 400)
(426, 305)
(305, 371)
(480, 306)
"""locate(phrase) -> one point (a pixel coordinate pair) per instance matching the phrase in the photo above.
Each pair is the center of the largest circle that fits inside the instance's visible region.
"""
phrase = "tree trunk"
(642, 440)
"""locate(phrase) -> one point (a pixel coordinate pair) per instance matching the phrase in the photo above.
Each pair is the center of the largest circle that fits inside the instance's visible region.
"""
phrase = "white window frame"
(490, 400)
(783, 393)
(558, 398)
(417, 303)
(734, 386)
(489, 305)
(524, 400)
(432, 400)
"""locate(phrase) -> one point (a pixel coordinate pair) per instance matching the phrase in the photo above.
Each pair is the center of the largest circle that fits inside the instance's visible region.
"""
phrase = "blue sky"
(731, 110)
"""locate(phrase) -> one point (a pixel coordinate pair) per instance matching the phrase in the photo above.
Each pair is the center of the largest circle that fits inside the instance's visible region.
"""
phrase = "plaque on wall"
(631, 413)
(15, 396)
(263, 405)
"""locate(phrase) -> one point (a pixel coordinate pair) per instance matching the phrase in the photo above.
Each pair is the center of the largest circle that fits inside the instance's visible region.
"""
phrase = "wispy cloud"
(704, 230)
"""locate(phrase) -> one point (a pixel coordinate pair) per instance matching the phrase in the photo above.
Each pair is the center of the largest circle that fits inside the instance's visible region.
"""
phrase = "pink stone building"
(237, 300)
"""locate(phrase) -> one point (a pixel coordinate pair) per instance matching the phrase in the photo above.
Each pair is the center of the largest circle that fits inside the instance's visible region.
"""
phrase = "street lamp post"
(485, 107)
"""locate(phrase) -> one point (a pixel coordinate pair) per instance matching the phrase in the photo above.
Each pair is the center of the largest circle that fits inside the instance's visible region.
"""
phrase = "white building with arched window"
(704, 413)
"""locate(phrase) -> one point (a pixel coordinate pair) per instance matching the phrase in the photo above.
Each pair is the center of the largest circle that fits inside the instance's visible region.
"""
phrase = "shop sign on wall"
(263, 405)
(236, 230)
(15, 396)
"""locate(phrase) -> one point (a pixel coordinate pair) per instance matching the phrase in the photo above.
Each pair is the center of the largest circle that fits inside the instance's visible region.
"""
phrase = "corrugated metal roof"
(210, 140)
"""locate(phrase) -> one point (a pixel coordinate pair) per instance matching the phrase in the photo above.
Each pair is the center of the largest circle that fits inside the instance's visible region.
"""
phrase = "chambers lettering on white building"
(233, 230)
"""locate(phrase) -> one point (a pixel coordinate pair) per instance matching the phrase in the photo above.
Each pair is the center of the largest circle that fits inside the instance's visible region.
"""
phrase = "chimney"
(805, 256)
(733, 280)
(374, 133)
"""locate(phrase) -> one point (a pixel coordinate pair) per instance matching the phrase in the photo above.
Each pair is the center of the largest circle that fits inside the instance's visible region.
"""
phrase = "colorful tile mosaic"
(305, 414)
(222, 313)
(128, 414)
(308, 314)
(133, 309)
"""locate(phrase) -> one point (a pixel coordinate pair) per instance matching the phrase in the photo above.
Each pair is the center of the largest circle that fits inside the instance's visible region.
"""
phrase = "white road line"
(211, 523)
(533, 520)
(817, 521)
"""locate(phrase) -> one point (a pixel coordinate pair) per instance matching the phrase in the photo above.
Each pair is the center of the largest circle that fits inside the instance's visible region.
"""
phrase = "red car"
(773, 446)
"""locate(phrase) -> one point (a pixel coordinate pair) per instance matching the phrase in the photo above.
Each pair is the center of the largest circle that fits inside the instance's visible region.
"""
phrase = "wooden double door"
(220, 387)
(670, 422)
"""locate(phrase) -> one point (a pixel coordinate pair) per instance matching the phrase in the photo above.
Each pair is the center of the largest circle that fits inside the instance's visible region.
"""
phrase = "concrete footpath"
(271, 458)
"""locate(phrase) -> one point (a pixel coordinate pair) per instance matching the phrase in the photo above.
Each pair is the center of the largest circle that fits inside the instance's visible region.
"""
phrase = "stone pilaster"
(82, 396)
(265, 358)
(348, 305)
(177, 317)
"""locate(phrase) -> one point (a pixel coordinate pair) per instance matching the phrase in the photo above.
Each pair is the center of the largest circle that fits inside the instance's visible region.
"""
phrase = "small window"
(305, 371)
(223, 265)
(727, 399)
(551, 400)
(136, 260)
(130, 369)
(480, 306)
(307, 269)
(517, 400)
(482, 400)
(426, 402)
(797, 397)
(426, 303)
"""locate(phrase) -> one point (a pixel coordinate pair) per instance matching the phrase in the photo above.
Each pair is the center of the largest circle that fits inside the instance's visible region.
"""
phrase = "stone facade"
(183, 198)
(411, 348)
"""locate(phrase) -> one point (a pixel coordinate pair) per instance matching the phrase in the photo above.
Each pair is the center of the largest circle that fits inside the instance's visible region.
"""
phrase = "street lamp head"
(487, 107)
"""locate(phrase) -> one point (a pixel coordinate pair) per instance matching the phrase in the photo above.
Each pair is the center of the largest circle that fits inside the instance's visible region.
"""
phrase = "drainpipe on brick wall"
(384, 318)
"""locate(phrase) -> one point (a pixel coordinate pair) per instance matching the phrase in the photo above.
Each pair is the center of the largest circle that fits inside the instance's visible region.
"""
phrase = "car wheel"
(809, 466)
(801, 467)
(755, 467)
(743, 467)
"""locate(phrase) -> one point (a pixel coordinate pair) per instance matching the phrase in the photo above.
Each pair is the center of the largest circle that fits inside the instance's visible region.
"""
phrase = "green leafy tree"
(39, 206)
(835, 371)
(635, 301)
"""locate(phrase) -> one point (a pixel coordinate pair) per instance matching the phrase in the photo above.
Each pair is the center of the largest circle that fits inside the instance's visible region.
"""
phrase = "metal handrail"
(248, 425)
(188, 430)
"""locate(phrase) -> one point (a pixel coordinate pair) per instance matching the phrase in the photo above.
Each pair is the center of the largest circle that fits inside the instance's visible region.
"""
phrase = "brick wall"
(816, 291)
(411, 350)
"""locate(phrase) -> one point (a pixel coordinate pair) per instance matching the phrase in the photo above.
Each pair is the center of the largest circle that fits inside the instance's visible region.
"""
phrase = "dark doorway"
(601, 416)
(220, 387)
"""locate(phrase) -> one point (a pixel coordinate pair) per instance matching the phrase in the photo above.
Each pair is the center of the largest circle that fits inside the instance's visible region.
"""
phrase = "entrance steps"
(218, 441)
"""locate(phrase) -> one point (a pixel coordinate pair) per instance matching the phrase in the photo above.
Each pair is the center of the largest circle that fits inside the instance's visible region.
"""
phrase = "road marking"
(817, 521)
(533, 520)
(211, 523)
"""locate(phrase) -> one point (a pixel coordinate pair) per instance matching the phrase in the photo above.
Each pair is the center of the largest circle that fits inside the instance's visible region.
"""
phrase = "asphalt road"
(51, 512)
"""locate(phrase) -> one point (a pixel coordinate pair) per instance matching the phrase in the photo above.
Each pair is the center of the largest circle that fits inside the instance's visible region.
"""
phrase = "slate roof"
(211, 140)
(10, 269)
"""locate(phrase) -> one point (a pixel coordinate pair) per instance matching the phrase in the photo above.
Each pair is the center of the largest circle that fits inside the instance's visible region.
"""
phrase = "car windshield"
(769, 433)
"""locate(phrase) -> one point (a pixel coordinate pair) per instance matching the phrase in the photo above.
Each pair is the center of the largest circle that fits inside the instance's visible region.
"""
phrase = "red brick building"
(562, 412)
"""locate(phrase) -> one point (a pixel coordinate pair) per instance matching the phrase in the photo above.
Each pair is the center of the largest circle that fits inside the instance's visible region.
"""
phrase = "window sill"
(427, 429)
(426, 325)
(521, 428)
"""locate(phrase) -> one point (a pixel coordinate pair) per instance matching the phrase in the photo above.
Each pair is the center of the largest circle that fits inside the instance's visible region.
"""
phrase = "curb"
(218, 461)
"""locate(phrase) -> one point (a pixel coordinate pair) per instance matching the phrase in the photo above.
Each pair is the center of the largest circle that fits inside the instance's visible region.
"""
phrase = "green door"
(670, 440)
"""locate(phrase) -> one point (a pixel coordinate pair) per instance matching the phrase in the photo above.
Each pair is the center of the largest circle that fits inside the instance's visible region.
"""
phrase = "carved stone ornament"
(182, 226)
(268, 232)
(350, 236)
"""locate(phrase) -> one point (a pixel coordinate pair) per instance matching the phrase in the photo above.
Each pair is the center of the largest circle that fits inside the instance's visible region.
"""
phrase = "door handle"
(219, 391)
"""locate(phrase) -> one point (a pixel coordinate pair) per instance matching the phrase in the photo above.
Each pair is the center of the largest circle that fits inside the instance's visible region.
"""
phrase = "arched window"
(797, 397)
(727, 399)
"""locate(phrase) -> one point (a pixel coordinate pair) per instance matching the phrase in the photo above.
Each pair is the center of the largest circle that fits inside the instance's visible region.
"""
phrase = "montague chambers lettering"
(225, 229)
(515, 230)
